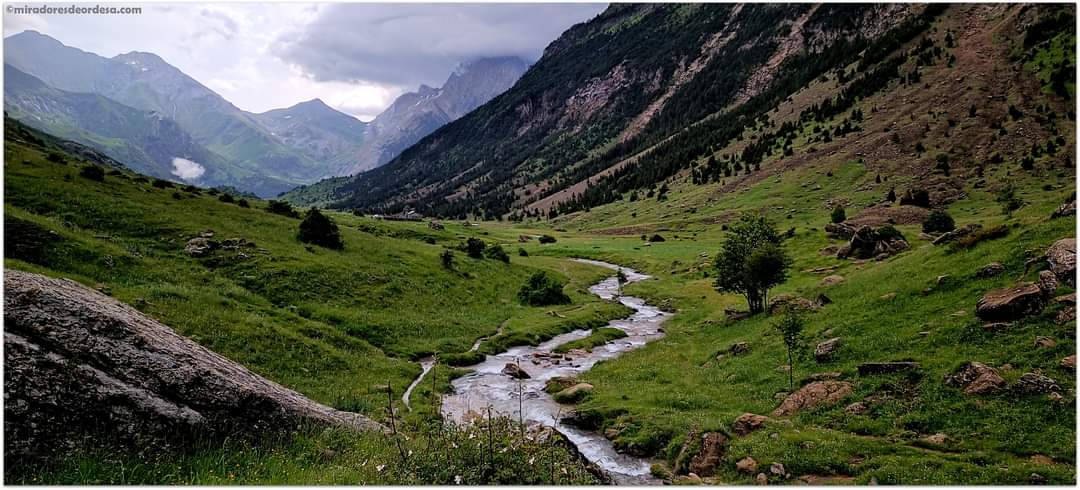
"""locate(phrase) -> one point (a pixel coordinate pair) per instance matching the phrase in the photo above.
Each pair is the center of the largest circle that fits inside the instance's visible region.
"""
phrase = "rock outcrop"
(747, 423)
(869, 243)
(976, 378)
(1062, 259)
(813, 395)
(1007, 304)
(825, 350)
(79, 364)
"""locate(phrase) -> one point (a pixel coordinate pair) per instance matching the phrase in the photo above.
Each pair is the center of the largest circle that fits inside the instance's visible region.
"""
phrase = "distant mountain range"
(155, 119)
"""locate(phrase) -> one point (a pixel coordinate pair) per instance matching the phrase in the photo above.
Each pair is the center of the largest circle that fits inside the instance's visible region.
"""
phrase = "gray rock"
(79, 364)
(825, 350)
(1012, 303)
(990, 270)
(1062, 258)
(1032, 383)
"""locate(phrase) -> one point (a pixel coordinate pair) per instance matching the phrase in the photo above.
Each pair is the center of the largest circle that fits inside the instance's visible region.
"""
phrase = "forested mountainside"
(644, 93)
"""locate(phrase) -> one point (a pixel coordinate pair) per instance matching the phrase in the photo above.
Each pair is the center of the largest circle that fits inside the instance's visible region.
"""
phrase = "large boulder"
(515, 371)
(713, 448)
(747, 423)
(825, 350)
(872, 368)
(79, 364)
(791, 302)
(1062, 258)
(1036, 383)
(839, 231)
(869, 243)
(957, 234)
(812, 395)
(1068, 208)
(976, 378)
(200, 246)
(574, 393)
(1007, 304)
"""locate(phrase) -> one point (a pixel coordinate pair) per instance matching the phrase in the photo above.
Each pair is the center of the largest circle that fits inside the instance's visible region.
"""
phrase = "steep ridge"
(591, 123)
(609, 88)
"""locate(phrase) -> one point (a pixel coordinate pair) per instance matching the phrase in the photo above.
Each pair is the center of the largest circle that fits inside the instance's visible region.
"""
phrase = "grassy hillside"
(334, 325)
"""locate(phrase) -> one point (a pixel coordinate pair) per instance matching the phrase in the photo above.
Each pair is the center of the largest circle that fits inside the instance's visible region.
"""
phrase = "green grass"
(336, 326)
(599, 336)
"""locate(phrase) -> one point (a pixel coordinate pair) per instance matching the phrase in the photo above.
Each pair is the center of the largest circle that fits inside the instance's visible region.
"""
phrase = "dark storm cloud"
(409, 44)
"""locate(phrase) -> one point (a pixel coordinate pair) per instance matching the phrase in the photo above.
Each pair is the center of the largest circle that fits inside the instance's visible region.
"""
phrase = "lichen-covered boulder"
(79, 365)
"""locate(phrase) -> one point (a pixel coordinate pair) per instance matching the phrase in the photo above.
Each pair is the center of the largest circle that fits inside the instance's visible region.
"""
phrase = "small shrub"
(496, 252)
(177, 196)
(243, 203)
(474, 247)
(1009, 200)
(889, 232)
(938, 222)
(656, 238)
(447, 259)
(522, 252)
(547, 239)
(283, 208)
(319, 230)
(56, 158)
(162, 184)
(93, 172)
(838, 214)
(542, 290)
(226, 198)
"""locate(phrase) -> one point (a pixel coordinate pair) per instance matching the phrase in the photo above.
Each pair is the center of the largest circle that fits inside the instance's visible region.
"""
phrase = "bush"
(1009, 200)
(447, 259)
(283, 208)
(496, 252)
(522, 252)
(547, 239)
(542, 290)
(838, 214)
(474, 247)
(226, 198)
(56, 158)
(93, 172)
(656, 238)
(938, 222)
(889, 232)
(162, 184)
(319, 230)
(916, 197)
(243, 203)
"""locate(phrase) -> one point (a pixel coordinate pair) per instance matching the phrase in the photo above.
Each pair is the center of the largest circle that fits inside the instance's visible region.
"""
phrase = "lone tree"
(317, 229)
(542, 290)
(447, 259)
(790, 327)
(474, 247)
(751, 261)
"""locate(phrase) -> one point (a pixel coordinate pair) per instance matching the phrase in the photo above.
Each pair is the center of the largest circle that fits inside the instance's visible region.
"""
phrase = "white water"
(487, 386)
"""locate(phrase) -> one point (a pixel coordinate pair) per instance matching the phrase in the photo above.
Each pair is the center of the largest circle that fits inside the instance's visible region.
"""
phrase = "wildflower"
(383, 467)
(457, 479)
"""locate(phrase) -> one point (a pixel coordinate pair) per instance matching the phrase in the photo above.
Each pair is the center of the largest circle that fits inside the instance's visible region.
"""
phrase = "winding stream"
(487, 386)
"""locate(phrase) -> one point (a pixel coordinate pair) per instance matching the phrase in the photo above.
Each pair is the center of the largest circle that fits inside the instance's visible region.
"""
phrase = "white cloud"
(187, 169)
(374, 53)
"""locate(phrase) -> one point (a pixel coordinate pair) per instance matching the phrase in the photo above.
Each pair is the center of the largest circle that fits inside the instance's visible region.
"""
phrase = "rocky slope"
(80, 364)
(645, 94)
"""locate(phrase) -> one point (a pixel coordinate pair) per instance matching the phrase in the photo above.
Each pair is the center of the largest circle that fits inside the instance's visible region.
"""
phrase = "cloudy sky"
(355, 57)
